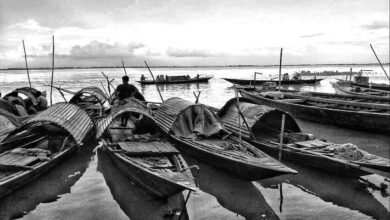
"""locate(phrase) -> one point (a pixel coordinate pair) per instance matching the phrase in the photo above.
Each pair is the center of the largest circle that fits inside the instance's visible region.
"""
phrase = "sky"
(192, 32)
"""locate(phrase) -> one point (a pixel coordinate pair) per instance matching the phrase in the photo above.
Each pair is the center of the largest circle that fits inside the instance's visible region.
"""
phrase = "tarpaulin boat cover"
(8, 107)
(68, 116)
(131, 105)
(189, 120)
(258, 117)
(29, 92)
(92, 90)
(8, 122)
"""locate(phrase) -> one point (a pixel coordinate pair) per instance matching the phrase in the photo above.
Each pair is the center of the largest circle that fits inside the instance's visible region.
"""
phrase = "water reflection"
(132, 200)
(345, 192)
(46, 188)
(236, 195)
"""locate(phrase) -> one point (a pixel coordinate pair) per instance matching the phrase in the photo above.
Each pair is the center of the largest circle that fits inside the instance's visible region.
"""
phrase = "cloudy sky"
(193, 32)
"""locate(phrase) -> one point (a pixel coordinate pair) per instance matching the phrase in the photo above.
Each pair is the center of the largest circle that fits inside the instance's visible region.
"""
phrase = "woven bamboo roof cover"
(255, 115)
(68, 116)
(132, 105)
(92, 90)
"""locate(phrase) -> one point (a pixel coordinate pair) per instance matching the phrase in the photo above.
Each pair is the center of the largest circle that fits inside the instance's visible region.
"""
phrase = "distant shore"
(231, 66)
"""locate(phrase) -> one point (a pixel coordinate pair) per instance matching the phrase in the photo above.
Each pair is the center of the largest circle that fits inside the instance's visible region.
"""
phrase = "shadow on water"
(236, 195)
(345, 192)
(47, 188)
(136, 203)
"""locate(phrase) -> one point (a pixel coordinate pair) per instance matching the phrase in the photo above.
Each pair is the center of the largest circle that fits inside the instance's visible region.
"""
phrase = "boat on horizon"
(160, 79)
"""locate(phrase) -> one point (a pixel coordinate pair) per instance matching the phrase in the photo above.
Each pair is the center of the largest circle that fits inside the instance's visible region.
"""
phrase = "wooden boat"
(380, 86)
(93, 100)
(354, 115)
(42, 142)
(177, 80)
(375, 100)
(264, 123)
(199, 133)
(346, 88)
(139, 151)
(283, 82)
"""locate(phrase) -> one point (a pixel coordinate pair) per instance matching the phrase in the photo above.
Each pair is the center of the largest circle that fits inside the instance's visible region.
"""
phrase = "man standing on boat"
(123, 91)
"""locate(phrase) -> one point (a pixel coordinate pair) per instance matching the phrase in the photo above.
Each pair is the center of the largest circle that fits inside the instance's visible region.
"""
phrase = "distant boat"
(349, 114)
(346, 88)
(264, 123)
(177, 80)
(197, 131)
(379, 86)
(283, 82)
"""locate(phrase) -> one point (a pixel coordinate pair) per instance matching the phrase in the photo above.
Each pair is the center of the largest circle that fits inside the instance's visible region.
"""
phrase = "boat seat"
(14, 158)
(148, 148)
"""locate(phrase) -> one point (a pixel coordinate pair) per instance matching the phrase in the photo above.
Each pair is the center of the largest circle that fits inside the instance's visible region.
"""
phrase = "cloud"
(375, 25)
(96, 49)
(176, 52)
(32, 25)
(312, 35)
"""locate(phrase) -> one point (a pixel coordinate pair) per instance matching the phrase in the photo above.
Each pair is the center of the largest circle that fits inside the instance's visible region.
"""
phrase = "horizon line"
(192, 66)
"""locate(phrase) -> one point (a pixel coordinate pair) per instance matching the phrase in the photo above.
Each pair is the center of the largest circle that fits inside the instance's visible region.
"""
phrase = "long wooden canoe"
(264, 123)
(139, 151)
(283, 82)
(191, 80)
(346, 88)
(42, 142)
(198, 132)
(379, 86)
(368, 117)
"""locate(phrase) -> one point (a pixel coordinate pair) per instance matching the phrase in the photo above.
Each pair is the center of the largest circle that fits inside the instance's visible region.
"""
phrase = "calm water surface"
(88, 185)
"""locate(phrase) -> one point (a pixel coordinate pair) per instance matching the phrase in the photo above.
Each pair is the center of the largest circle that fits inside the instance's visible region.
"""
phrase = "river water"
(88, 185)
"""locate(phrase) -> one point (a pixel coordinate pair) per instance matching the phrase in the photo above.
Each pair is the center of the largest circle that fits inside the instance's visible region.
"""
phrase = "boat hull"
(350, 119)
(237, 168)
(154, 185)
(27, 176)
(313, 161)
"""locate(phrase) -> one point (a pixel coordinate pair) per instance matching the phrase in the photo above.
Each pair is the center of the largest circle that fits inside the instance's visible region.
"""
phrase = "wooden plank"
(152, 147)
(312, 143)
(12, 159)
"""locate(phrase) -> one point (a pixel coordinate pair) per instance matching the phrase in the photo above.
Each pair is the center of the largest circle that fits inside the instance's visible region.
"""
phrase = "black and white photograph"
(194, 109)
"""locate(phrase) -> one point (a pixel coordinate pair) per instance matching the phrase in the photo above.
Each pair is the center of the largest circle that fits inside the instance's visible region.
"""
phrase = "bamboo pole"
(280, 68)
(239, 116)
(281, 137)
(52, 75)
(380, 63)
(25, 59)
(105, 91)
(124, 68)
(154, 81)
